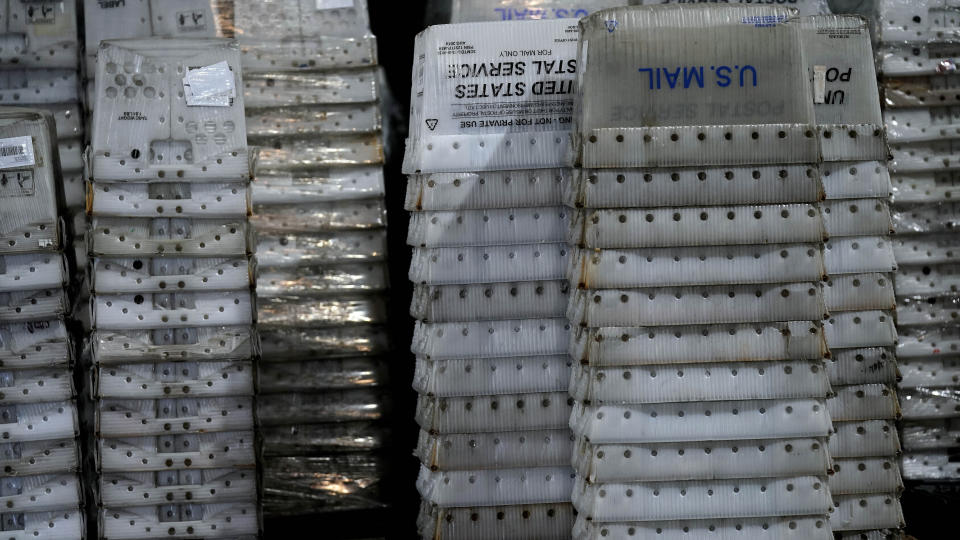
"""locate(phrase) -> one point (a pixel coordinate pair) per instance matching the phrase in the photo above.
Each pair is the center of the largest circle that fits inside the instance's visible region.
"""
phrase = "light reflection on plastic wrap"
(926, 218)
(368, 214)
(928, 341)
(313, 375)
(284, 344)
(920, 91)
(307, 312)
(930, 403)
(321, 186)
(338, 406)
(277, 89)
(350, 278)
(931, 434)
(311, 120)
(281, 19)
(295, 485)
(313, 439)
(292, 250)
(291, 154)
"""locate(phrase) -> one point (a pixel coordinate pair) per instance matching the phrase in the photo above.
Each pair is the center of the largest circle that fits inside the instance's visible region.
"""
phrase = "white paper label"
(210, 86)
(819, 84)
(16, 152)
(334, 4)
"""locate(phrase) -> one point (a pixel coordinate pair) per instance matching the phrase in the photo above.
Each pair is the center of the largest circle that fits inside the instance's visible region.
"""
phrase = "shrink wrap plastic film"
(706, 198)
(172, 352)
(916, 50)
(40, 483)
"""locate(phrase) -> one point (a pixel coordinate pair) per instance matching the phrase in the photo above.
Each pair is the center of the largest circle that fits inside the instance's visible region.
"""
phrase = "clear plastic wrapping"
(296, 154)
(330, 216)
(311, 485)
(281, 344)
(290, 250)
(485, 190)
(322, 375)
(338, 406)
(278, 89)
(323, 185)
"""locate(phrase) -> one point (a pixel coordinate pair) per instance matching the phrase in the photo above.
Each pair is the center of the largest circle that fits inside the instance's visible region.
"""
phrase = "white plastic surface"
(237, 520)
(39, 457)
(169, 452)
(32, 271)
(334, 184)
(491, 376)
(35, 386)
(40, 422)
(277, 250)
(172, 310)
(144, 237)
(488, 227)
(864, 438)
(159, 381)
(491, 301)
(865, 475)
(494, 189)
(473, 451)
(495, 487)
(186, 344)
(682, 422)
(628, 346)
(853, 329)
(801, 495)
(484, 414)
(208, 201)
(861, 366)
(34, 344)
(262, 90)
(168, 275)
(139, 418)
(806, 528)
(865, 512)
(201, 487)
(859, 292)
(864, 402)
(489, 264)
(858, 255)
(491, 339)
(43, 493)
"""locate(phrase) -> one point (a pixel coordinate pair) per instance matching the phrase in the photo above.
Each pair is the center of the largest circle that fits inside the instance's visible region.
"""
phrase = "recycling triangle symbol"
(432, 123)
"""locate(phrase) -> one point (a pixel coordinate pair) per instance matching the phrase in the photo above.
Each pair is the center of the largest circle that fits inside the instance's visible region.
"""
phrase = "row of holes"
(627, 454)
(507, 180)
(705, 333)
(488, 293)
(704, 216)
(702, 176)
(627, 375)
(681, 414)
(516, 329)
(686, 259)
(495, 404)
(486, 218)
(624, 298)
(486, 256)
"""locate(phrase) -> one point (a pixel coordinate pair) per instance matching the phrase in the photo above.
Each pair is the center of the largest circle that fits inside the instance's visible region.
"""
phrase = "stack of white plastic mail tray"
(319, 221)
(701, 315)
(39, 63)
(860, 263)
(172, 342)
(461, 11)
(918, 56)
(39, 454)
(490, 116)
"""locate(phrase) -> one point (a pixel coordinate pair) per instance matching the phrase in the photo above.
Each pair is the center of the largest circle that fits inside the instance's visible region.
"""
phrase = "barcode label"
(16, 152)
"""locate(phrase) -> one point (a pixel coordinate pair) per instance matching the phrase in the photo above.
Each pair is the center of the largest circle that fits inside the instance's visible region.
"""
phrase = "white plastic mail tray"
(920, 21)
(34, 344)
(495, 487)
(488, 227)
(490, 301)
(290, 250)
(928, 280)
(35, 386)
(708, 265)
(483, 522)
(686, 422)
(281, 88)
(929, 341)
(40, 34)
(864, 512)
(488, 414)
(32, 271)
(532, 337)
(29, 195)
(150, 125)
(491, 376)
(169, 274)
(929, 218)
(194, 487)
(473, 451)
(140, 418)
(859, 292)
(19, 87)
(697, 305)
(865, 475)
(858, 255)
(256, 20)
(517, 10)
(692, 226)
(149, 237)
(672, 462)
(324, 185)
(171, 310)
(39, 457)
(304, 55)
(42, 493)
(633, 346)
(489, 264)
(652, 96)
(175, 380)
(363, 405)
(741, 498)
(494, 189)
(864, 438)
(239, 521)
(195, 201)
(736, 381)
(285, 344)
(110, 347)
(788, 528)
(44, 304)
(856, 180)
(694, 186)
(39, 422)
(862, 366)
(161, 453)
(476, 107)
